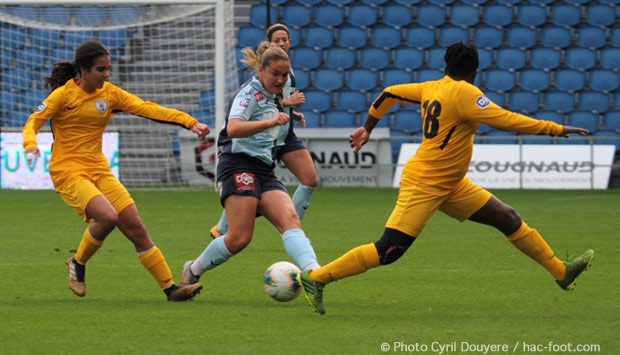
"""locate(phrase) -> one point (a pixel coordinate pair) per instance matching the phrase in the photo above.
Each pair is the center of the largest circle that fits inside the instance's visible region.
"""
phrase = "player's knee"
(392, 245)
(107, 220)
(235, 243)
(510, 220)
(310, 180)
(513, 216)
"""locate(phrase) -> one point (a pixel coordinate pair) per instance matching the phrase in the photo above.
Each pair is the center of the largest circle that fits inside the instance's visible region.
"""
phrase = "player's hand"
(358, 139)
(281, 119)
(32, 154)
(299, 117)
(296, 98)
(200, 129)
(567, 130)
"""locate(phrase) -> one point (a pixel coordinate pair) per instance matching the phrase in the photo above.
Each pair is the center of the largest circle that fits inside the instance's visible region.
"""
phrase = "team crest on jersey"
(244, 181)
(102, 106)
(482, 101)
(259, 96)
(41, 107)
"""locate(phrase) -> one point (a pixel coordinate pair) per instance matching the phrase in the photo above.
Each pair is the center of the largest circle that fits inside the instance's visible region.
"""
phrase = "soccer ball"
(280, 281)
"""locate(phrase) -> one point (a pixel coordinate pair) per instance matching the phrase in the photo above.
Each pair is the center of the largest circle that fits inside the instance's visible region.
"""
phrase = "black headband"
(276, 28)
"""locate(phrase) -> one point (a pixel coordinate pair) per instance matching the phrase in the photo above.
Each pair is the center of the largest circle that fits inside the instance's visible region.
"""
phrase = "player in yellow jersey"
(80, 105)
(434, 178)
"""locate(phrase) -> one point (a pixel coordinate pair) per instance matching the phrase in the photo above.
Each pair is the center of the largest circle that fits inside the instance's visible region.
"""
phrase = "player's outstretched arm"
(200, 129)
(358, 139)
(567, 130)
(361, 135)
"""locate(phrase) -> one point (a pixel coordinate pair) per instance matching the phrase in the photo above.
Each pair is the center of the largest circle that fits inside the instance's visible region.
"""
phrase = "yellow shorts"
(417, 203)
(78, 190)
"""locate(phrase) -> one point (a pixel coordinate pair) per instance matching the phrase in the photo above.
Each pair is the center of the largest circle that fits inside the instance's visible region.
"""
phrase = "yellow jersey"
(78, 120)
(451, 112)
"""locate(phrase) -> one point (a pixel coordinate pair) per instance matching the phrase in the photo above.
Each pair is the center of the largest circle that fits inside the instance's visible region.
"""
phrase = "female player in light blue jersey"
(291, 150)
(246, 180)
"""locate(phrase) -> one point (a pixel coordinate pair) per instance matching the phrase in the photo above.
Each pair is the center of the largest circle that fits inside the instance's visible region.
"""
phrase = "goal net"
(171, 53)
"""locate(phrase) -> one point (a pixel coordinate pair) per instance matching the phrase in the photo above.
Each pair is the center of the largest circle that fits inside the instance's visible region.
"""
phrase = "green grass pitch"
(458, 290)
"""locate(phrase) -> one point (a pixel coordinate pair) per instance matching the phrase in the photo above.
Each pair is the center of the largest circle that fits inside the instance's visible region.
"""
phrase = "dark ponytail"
(85, 57)
(61, 72)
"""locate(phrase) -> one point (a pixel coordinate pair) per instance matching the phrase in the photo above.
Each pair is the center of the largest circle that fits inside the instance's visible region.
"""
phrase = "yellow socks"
(355, 261)
(87, 248)
(154, 261)
(529, 241)
(364, 257)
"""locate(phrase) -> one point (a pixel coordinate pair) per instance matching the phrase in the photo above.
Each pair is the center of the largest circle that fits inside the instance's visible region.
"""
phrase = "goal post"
(180, 54)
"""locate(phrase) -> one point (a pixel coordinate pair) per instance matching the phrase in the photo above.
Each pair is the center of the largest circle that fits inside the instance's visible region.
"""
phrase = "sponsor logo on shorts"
(244, 181)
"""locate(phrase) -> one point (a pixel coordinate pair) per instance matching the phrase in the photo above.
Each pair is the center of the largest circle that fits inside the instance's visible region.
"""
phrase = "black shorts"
(240, 174)
(291, 144)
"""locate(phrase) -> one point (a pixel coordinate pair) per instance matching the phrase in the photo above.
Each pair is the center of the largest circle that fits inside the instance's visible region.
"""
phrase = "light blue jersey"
(253, 103)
